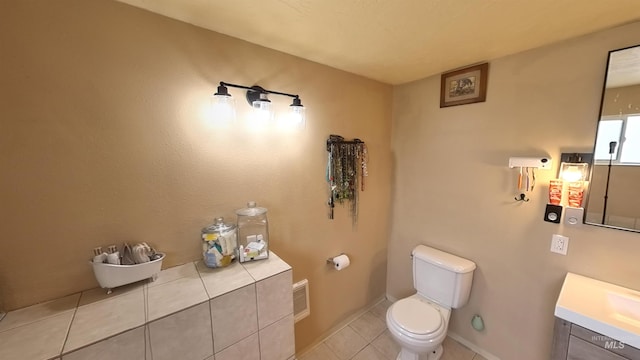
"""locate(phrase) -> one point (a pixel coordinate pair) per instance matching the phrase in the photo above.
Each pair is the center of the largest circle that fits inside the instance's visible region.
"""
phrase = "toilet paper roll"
(341, 261)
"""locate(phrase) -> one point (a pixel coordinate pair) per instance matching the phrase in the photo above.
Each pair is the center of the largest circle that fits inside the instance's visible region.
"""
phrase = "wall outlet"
(559, 244)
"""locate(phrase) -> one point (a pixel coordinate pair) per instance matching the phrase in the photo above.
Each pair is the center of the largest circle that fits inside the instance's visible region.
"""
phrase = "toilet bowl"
(419, 326)
(419, 322)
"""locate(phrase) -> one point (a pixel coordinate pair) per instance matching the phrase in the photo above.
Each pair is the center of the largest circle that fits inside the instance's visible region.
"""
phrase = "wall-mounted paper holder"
(543, 163)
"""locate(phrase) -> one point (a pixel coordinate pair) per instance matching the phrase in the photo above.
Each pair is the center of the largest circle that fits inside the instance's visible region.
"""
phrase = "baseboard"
(341, 325)
(472, 346)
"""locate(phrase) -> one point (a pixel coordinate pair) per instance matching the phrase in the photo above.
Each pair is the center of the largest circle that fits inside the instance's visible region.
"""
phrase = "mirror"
(614, 191)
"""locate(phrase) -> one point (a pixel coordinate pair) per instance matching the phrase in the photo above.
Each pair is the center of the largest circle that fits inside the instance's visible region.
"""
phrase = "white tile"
(185, 335)
(187, 270)
(126, 346)
(275, 298)
(234, 316)
(386, 345)
(38, 340)
(263, 269)
(245, 349)
(37, 312)
(453, 350)
(277, 341)
(223, 280)
(320, 352)
(346, 343)
(368, 326)
(97, 294)
(100, 316)
(370, 353)
(174, 296)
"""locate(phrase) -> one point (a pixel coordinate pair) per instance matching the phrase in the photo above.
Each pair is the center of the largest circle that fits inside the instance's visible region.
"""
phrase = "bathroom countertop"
(75, 321)
(602, 307)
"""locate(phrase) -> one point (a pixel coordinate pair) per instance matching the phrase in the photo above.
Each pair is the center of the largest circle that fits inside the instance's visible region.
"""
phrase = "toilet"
(419, 322)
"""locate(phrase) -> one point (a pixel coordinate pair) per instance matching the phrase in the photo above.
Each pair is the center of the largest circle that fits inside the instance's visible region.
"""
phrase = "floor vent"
(301, 300)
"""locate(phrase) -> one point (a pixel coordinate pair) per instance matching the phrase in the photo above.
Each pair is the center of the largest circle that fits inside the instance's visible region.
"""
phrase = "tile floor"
(367, 338)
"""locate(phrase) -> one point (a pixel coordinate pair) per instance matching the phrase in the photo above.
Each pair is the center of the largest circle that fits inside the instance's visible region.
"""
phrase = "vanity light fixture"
(574, 172)
(575, 166)
(258, 99)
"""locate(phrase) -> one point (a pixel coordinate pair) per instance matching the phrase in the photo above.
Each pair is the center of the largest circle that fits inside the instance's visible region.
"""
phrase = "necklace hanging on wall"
(346, 169)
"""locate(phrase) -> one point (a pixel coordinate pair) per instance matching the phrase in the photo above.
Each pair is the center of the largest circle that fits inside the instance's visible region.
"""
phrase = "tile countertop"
(72, 322)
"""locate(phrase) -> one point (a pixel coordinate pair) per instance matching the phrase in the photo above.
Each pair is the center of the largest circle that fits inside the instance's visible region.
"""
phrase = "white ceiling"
(402, 40)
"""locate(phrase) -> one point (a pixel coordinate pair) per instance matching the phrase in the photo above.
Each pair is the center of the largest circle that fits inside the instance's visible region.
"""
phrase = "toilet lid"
(416, 316)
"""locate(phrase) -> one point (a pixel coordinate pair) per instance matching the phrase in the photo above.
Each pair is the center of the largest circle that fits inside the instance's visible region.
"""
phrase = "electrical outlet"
(559, 244)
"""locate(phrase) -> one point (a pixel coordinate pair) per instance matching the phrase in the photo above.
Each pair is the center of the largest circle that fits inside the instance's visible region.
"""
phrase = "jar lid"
(218, 226)
(251, 210)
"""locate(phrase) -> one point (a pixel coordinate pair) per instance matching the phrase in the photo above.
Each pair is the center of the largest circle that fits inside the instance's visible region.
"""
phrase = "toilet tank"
(442, 277)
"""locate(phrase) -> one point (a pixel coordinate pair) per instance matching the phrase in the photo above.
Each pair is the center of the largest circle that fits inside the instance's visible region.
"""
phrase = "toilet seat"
(416, 318)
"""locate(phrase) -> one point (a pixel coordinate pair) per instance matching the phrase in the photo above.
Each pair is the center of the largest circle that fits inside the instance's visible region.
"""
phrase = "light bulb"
(223, 110)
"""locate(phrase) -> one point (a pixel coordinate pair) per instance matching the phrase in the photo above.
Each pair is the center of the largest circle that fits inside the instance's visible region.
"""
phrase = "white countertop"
(608, 309)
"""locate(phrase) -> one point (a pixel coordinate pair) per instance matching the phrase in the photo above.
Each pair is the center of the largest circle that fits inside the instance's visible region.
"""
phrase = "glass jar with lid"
(253, 233)
(219, 244)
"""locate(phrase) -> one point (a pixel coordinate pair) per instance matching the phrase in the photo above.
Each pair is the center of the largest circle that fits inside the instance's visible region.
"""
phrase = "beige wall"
(453, 190)
(103, 141)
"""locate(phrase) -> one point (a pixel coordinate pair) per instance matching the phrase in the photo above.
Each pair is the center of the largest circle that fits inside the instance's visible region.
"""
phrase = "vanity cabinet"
(573, 342)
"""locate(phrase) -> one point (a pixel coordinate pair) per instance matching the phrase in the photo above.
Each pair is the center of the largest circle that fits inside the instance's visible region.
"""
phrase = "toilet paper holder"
(330, 260)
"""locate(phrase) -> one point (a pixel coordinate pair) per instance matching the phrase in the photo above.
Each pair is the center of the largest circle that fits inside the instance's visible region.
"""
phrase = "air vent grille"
(301, 300)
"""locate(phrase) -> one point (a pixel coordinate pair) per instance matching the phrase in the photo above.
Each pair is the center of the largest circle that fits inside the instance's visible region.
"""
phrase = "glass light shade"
(293, 119)
(223, 109)
(262, 113)
(573, 172)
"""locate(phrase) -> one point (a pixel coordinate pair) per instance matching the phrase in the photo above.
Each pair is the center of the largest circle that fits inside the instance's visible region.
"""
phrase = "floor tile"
(320, 352)
(368, 326)
(380, 309)
(346, 343)
(453, 350)
(370, 353)
(386, 345)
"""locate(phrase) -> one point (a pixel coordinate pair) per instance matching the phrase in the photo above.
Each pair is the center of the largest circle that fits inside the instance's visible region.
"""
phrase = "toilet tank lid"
(443, 259)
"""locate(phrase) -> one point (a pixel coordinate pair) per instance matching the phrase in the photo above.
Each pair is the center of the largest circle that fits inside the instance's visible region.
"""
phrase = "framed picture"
(464, 86)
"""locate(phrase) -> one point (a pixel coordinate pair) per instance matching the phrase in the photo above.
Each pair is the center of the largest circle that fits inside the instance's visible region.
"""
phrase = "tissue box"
(110, 276)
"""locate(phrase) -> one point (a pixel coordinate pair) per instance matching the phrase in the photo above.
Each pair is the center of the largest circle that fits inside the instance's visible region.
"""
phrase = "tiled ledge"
(48, 330)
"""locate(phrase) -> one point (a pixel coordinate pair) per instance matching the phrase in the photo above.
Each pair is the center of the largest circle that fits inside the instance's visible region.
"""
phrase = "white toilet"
(419, 322)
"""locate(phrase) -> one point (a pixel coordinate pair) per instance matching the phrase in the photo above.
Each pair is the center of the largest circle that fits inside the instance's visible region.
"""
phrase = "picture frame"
(464, 86)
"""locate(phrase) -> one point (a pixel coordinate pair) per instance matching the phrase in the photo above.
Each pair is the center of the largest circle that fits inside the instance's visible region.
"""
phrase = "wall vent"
(301, 300)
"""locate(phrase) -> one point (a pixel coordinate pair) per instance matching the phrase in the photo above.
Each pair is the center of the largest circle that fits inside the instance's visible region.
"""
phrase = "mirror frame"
(593, 162)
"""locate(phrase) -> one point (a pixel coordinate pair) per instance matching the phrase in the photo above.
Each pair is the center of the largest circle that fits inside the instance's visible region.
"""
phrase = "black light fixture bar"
(257, 90)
